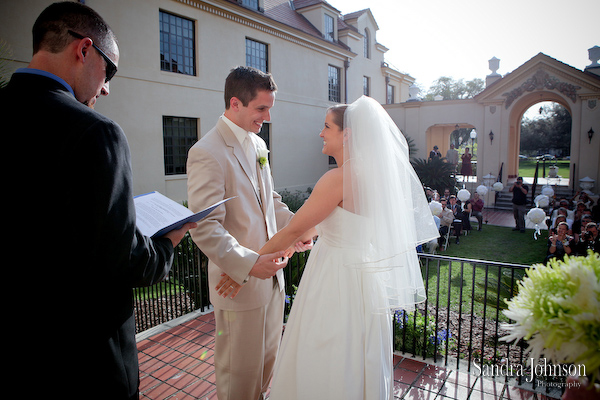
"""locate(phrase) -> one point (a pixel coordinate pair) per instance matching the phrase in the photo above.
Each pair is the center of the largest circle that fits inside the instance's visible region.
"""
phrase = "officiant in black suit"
(71, 216)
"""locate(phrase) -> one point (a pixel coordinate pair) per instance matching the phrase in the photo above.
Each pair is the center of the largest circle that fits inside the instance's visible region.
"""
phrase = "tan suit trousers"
(246, 347)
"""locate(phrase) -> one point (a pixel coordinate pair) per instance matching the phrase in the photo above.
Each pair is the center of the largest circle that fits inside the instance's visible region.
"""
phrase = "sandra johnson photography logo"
(541, 369)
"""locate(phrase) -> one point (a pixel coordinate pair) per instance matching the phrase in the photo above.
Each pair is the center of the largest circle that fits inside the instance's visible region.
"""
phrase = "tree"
(451, 89)
(551, 132)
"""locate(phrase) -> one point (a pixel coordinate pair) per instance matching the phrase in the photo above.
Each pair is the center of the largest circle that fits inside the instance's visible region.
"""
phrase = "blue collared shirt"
(46, 74)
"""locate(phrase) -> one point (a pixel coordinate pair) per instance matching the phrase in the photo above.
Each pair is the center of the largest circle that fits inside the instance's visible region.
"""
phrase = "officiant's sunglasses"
(111, 68)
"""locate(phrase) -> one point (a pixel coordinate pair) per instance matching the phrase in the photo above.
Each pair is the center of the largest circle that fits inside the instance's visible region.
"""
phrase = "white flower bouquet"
(557, 311)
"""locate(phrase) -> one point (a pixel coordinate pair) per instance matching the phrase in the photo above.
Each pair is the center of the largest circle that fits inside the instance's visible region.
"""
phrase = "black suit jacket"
(71, 221)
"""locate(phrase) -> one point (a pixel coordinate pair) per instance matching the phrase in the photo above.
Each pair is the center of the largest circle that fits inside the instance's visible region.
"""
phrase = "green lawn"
(493, 243)
(527, 168)
(502, 244)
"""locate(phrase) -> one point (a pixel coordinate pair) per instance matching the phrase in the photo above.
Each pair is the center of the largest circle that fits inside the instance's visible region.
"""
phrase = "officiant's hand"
(228, 287)
(267, 265)
(176, 235)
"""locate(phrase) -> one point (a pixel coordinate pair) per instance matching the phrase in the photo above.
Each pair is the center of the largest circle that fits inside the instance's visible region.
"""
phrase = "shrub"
(435, 173)
(413, 333)
(294, 200)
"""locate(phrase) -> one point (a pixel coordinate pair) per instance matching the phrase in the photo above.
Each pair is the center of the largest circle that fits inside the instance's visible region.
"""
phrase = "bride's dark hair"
(338, 112)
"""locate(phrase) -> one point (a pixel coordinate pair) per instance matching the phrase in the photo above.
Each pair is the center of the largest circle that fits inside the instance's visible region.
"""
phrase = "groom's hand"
(227, 286)
(268, 264)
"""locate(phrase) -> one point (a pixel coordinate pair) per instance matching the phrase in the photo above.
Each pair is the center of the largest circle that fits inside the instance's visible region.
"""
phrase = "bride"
(370, 213)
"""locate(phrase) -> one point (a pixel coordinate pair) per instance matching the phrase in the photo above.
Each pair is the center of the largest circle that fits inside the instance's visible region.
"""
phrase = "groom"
(224, 164)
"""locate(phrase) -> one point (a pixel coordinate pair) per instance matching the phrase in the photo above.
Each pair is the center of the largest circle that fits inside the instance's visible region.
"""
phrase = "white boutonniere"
(262, 157)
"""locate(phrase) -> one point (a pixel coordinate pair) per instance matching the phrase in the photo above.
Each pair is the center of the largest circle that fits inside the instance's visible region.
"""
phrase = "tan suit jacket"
(232, 234)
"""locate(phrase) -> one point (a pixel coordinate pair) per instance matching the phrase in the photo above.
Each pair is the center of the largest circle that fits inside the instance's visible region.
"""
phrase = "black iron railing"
(461, 322)
(186, 287)
(459, 325)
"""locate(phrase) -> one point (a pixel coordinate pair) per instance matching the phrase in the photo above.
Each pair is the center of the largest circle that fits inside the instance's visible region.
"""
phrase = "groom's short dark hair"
(245, 82)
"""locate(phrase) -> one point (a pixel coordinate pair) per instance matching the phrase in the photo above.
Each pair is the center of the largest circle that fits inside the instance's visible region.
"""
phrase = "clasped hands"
(265, 267)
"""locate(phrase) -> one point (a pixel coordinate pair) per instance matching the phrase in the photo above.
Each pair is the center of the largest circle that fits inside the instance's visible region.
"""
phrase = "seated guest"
(560, 244)
(558, 220)
(565, 212)
(433, 243)
(563, 203)
(585, 220)
(458, 216)
(446, 219)
(596, 213)
(428, 194)
(466, 218)
(588, 240)
(477, 205)
(580, 211)
(583, 197)
(447, 194)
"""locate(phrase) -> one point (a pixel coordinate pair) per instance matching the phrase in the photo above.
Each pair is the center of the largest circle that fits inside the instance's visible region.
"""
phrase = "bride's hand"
(289, 252)
(303, 245)
(228, 287)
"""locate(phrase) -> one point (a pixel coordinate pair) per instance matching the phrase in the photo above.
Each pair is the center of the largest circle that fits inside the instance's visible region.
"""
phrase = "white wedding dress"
(338, 340)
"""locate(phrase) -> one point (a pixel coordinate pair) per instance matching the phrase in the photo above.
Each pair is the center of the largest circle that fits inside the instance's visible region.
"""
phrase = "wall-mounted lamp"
(590, 134)
(491, 137)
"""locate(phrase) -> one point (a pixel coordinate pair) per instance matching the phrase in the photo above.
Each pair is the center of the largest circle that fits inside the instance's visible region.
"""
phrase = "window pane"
(329, 35)
(334, 84)
(257, 55)
(177, 47)
(253, 4)
(179, 134)
(390, 94)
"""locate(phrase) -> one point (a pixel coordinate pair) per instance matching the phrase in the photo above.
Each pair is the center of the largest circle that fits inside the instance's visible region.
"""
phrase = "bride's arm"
(325, 197)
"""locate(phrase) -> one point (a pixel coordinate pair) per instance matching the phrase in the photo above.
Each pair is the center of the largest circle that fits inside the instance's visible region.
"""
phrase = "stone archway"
(516, 115)
(439, 135)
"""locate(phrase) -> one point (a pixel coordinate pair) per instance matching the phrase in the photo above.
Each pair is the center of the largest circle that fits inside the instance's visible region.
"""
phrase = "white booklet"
(156, 214)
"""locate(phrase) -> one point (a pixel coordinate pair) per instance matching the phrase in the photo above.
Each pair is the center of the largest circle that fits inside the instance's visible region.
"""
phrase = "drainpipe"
(346, 65)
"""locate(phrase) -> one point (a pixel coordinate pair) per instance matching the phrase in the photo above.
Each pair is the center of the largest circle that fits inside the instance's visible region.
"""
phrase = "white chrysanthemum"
(557, 311)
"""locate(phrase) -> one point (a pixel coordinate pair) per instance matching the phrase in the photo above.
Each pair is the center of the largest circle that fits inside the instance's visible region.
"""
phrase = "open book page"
(156, 214)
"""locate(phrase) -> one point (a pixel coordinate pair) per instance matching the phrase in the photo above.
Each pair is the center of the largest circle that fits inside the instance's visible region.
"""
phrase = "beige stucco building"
(317, 56)
(175, 55)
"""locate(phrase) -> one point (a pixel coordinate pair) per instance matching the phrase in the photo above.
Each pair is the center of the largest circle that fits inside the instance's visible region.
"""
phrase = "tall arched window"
(367, 42)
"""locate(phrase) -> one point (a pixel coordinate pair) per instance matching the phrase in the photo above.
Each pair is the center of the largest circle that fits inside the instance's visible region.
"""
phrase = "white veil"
(381, 185)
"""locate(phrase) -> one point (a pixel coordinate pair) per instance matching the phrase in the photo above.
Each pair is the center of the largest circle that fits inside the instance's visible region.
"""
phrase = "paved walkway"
(177, 362)
(503, 218)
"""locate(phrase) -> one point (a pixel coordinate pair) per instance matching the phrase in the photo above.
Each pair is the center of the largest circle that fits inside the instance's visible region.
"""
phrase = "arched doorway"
(462, 136)
(545, 143)
(516, 116)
